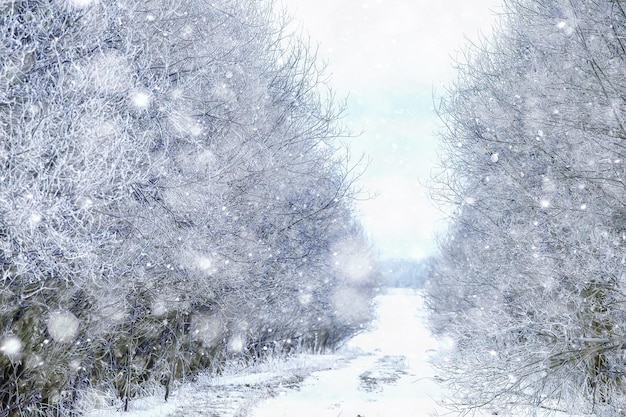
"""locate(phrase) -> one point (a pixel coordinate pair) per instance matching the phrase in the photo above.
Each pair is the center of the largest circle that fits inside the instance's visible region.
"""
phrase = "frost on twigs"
(161, 179)
(108, 72)
(530, 272)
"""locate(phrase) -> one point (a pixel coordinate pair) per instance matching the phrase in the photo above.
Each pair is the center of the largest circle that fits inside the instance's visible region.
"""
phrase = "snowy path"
(390, 378)
(380, 373)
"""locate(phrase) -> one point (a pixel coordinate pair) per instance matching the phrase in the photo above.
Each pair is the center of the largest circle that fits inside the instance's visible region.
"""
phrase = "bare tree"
(530, 281)
(170, 194)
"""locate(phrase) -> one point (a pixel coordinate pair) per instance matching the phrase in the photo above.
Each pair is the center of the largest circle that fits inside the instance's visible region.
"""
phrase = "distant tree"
(530, 283)
(169, 187)
(405, 273)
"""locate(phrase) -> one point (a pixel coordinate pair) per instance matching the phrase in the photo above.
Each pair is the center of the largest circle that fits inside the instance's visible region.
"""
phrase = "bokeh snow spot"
(351, 305)
(75, 365)
(84, 203)
(236, 344)
(548, 185)
(470, 201)
(206, 329)
(11, 346)
(159, 308)
(140, 99)
(352, 258)
(447, 344)
(305, 298)
(80, 4)
(62, 326)
(34, 218)
(203, 263)
(205, 160)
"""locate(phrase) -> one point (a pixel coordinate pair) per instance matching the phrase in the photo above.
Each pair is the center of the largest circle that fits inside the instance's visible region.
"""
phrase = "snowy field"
(382, 372)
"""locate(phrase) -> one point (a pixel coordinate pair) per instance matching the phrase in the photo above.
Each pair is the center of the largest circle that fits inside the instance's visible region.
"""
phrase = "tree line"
(530, 282)
(172, 195)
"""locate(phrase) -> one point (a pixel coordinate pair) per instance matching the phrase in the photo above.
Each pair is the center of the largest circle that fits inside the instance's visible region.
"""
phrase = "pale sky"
(388, 56)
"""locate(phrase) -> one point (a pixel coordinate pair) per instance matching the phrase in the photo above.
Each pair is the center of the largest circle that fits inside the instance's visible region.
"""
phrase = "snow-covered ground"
(389, 377)
(382, 372)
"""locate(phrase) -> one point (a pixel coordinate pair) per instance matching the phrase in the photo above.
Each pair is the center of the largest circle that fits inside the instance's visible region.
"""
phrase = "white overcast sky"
(388, 56)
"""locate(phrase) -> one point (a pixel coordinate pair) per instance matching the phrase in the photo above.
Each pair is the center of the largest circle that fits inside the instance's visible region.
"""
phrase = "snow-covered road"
(380, 373)
(390, 376)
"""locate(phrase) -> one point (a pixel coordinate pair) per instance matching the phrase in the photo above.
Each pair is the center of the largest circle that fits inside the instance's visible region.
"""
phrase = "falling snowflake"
(236, 344)
(353, 259)
(62, 326)
(84, 202)
(305, 298)
(470, 201)
(11, 346)
(34, 218)
(206, 329)
(80, 4)
(140, 99)
(351, 305)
